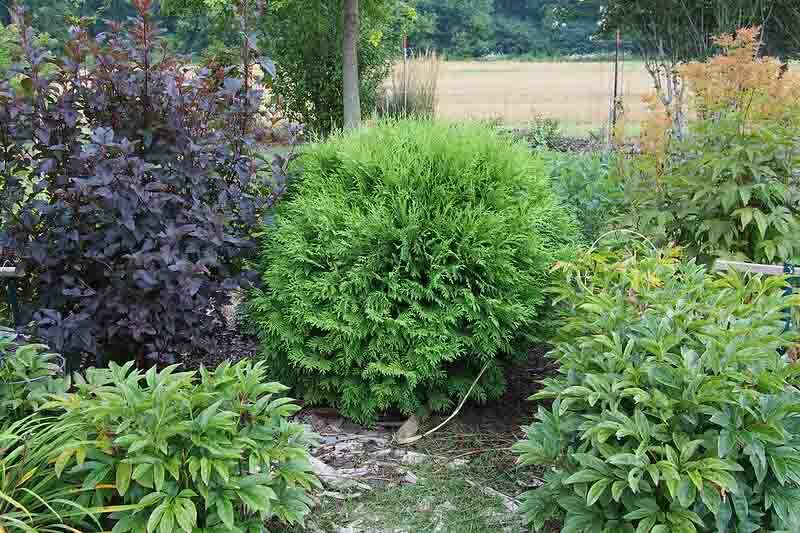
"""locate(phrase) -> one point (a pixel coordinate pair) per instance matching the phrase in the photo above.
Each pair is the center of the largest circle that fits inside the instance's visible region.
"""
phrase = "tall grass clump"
(412, 255)
(414, 90)
(32, 497)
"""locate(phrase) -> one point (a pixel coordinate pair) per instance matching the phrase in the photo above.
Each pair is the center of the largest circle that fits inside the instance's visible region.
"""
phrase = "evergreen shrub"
(411, 255)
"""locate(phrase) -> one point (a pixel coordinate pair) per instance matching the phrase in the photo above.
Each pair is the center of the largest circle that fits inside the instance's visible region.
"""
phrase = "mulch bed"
(504, 415)
(231, 344)
(513, 409)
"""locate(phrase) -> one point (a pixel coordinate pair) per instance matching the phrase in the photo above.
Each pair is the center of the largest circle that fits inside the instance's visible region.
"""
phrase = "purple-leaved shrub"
(131, 189)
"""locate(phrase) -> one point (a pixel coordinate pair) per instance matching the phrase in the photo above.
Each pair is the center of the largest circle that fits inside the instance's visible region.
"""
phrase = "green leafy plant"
(541, 132)
(731, 188)
(8, 45)
(733, 193)
(28, 374)
(412, 255)
(588, 186)
(179, 454)
(673, 410)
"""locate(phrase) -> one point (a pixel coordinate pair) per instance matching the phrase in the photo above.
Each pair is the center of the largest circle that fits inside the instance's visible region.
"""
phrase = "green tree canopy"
(518, 27)
(683, 29)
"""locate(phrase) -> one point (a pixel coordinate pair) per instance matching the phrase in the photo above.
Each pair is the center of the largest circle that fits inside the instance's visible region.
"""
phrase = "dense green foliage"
(541, 133)
(32, 498)
(156, 451)
(732, 193)
(29, 373)
(590, 188)
(673, 410)
(475, 28)
(55, 17)
(215, 453)
(412, 255)
(685, 34)
(470, 28)
(305, 40)
(730, 187)
(8, 44)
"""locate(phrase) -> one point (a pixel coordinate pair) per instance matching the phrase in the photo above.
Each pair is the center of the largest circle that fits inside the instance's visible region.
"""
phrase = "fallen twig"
(415, 438)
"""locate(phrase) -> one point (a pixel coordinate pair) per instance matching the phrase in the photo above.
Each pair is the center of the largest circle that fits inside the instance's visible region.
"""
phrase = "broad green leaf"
(696, 478)
(205, 470)
(597, 490)
(155, 517)
(184, 516)
(627, 459)
(124, 472)
(646, 524)
(711, 498)
(722, 479)
(761, 222)
(167, 523)
(687, 492)
(584, 476)
(655, 475)
(225, 511)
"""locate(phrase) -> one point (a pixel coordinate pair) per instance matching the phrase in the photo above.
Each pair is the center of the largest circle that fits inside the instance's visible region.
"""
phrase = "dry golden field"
(578, 94)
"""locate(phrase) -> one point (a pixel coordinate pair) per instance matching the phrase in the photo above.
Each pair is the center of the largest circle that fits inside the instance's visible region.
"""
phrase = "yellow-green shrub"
(412, 255)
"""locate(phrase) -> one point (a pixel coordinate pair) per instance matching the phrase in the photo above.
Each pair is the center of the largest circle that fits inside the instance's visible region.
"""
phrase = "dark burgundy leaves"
(145, 197)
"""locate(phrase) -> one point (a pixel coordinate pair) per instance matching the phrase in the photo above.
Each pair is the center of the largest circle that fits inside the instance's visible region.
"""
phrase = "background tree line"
(473, 28)
(458, 28)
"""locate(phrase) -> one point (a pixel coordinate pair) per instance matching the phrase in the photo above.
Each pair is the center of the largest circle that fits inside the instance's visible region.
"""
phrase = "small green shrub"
(673, 410)
(29, 373)
(413, 254)
(541, 133)
(732, 193)
(178, 454)
(589, 188)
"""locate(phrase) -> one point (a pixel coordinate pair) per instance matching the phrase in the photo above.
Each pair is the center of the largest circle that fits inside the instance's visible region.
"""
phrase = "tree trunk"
(352, 98)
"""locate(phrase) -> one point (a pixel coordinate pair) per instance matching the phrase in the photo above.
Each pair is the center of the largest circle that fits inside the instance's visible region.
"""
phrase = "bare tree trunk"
(671, 90)
(352, 98)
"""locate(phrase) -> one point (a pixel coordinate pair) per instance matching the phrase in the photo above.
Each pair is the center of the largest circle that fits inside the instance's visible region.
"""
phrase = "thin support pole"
(616, 84)
(405, 74)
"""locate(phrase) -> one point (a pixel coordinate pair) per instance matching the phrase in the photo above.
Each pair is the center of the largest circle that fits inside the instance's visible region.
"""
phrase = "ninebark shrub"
(129, 192)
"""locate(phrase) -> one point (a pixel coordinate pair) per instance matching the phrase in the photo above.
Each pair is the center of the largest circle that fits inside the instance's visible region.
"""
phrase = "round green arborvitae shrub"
(410, 256)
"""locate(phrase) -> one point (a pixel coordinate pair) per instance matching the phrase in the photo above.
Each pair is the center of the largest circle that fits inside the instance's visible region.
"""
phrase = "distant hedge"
(412, 254)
